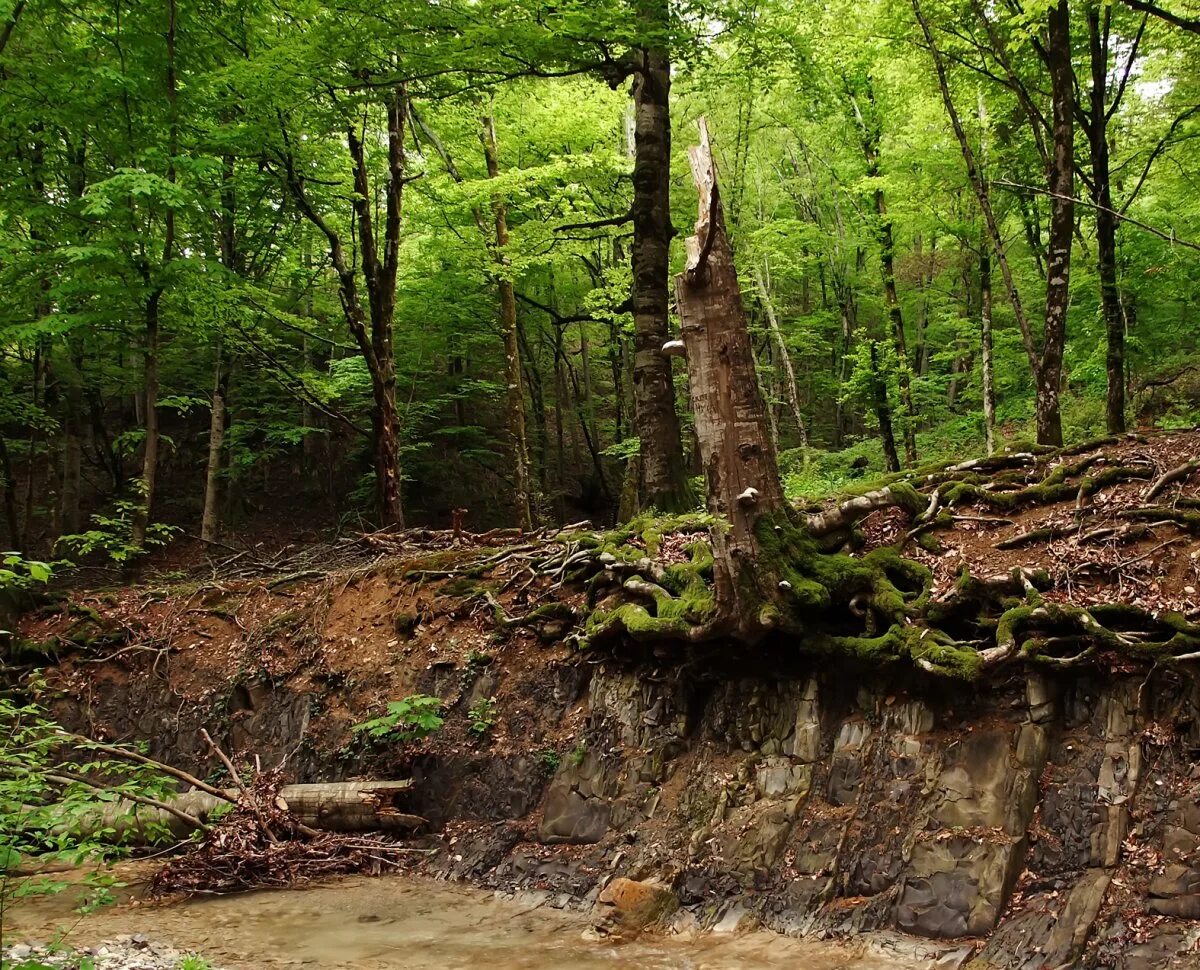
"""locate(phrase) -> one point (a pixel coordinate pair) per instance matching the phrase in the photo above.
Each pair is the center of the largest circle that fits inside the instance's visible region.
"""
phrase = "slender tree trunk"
(210, 523)
(985, 344)
(1106, 222)
(730, 415)
(869, 129)
(149, 475)
(141, 520)
(515, 397)
(664, 482)
(72, 458)
(10, 499)
(789, 372)
(1062, 222)
(883, 411)
(1047, 371)
(589, 403)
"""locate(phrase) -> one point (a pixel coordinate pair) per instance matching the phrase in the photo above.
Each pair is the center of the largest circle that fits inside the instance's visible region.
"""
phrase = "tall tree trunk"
(71, 518)
(149, 475)
(789, 372)
(869, 129)
(210, 522)
(10, 499)
(664, 480)
(985, 344)
(730, 415)
(515, 397)
(141, 520)
(883, 411)
(1106, 221)
(1047, 370)
(372, 331)
(1061, 183)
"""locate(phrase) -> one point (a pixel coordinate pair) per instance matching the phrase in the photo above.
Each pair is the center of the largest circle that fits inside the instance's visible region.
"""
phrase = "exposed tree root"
(652, 581)
(1174, 475)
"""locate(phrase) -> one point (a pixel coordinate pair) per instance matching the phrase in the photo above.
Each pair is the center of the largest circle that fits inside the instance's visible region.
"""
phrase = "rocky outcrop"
(1054, 821)
(1040, 820)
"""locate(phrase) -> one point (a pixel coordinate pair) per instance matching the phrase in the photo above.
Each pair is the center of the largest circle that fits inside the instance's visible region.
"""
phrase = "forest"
(285, 267)
(624, 469)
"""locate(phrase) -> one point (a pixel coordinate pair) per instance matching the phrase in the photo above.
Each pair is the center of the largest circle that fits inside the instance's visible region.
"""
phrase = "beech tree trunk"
(869, 130)
(508, 325)
(1046, 366)
(210, 522)
(9, 486)
(71, 519)
(985, 344)
(789, 373)
(141, 520)
(664, 481)
(1106, 221)
(883, 411)
(1061, 182)
(371, 326)
(730, 415)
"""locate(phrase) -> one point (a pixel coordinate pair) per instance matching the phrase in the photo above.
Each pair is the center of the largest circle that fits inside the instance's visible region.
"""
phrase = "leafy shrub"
(482, 716)
(57, 801)
(112, 535)
(412, 718)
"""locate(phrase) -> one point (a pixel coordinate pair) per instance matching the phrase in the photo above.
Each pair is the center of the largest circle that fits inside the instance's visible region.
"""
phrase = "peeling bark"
(730, 414)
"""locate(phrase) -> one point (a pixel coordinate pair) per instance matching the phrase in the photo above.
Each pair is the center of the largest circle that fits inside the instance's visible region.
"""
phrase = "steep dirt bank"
(809, 791)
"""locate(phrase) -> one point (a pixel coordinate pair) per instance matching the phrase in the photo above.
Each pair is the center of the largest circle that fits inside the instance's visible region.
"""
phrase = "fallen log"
(346, 806)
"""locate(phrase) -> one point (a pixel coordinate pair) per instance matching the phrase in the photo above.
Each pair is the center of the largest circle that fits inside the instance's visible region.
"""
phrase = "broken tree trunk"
(730, 415)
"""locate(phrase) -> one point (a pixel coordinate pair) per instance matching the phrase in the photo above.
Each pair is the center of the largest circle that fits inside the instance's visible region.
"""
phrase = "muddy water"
(401, 922)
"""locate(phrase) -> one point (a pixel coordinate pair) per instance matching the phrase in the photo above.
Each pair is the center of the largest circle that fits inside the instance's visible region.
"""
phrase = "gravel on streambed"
(134, 952)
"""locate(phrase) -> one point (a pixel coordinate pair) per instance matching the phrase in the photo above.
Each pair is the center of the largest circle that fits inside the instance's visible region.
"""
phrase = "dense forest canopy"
(390, 261)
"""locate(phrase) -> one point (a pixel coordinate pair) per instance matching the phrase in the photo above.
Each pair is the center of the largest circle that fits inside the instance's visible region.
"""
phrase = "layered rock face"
(1049, 822)
(1039, 820)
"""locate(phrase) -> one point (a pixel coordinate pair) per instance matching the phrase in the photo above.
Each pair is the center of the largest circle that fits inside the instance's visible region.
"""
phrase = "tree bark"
(515, 397)
(1047, 365)
(869, 129)
(664, 482)
(71, 518)
(210, 522)
(10, 499)
(730, 415)
(1061, 183)
(985, 344)
(785, 358)
(141, 519)
(1106, 221)
(883, 411)
(371, 326)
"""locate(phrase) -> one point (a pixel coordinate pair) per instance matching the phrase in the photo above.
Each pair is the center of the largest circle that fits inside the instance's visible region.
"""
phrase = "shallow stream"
(415, 924)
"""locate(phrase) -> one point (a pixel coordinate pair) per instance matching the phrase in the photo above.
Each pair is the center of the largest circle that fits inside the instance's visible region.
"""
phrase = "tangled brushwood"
(260, 844)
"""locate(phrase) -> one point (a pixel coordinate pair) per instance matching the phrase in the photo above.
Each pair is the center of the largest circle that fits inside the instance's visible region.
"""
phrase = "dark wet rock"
(957, 887)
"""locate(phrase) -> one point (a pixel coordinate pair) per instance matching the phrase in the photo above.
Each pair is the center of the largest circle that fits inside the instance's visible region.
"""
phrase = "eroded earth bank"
(1043, 812)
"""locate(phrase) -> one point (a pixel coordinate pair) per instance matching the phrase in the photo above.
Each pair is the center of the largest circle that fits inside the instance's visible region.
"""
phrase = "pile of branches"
(260, 844)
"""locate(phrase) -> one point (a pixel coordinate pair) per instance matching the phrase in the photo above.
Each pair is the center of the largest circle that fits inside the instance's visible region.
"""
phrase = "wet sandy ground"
(401, 922)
